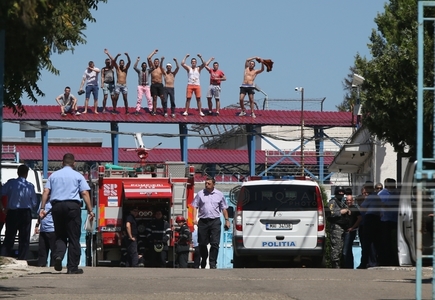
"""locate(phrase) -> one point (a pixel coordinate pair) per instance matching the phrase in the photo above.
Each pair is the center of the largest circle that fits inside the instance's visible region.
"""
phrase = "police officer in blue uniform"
(65, 187)
(47, 237)
(21, 202)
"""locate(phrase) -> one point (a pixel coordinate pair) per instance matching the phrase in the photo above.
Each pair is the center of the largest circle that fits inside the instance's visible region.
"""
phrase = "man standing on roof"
(193, 83)
(67, 102)
(169, 76)
(21, 202)
(143, 87)
(90, 77)
(156, 71)
(108, 82)
(208, 205)
(248, 85)
(121, 79)
(214, 90)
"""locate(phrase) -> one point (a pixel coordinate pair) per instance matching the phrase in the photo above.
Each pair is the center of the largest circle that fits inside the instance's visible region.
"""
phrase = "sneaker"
(210, 112)
(185, 113)
(165, 115)
(122, 264)
(136, 113)
(253, 115)
(201, 114)
(173, 115)
(217, 113)
(58, 264)
(242, 113)
(63, 114)
(153, 113)
(78, 271)
(78, 113)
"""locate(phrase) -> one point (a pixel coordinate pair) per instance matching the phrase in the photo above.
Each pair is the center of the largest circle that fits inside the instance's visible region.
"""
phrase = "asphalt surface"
(22, 282)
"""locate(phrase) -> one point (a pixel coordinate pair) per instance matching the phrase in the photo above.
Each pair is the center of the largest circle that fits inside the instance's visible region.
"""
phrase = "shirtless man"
(169, 76)
(248, 85)
(156, 71)
(121, 79)
(107, 82)
(193, 84)
(214, 90)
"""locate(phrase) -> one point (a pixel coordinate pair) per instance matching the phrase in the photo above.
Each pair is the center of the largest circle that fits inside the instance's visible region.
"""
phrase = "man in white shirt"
(91, 78)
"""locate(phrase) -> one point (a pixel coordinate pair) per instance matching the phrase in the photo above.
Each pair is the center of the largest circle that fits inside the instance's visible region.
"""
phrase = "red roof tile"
(227, 116)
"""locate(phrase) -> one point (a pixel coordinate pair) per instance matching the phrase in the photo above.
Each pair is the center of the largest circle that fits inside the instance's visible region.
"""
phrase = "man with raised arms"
(169, 76)
(156, 71)
(248, 85)
(193, 83)
(121, 79)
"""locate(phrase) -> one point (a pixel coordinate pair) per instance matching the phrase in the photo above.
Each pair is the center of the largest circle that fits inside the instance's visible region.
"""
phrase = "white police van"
(278, 220)
(407, 217)
(8, 171)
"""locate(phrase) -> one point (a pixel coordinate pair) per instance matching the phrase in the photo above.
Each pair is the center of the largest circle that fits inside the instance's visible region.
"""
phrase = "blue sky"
(313, 44)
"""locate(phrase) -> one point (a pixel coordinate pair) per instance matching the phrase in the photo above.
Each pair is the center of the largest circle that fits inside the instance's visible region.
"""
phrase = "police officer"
(157, 234)
(47, 237)
(183, 244)
(20, 204)
(66, 186)
(338, 225)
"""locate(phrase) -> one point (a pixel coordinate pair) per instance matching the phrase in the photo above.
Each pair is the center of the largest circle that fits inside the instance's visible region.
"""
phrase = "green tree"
(389, 92)
(35, 29)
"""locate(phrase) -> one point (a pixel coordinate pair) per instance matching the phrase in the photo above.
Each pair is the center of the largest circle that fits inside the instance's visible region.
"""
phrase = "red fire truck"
(168, 186)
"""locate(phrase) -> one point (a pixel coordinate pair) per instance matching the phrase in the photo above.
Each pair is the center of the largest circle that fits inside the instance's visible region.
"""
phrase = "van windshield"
(278, 197)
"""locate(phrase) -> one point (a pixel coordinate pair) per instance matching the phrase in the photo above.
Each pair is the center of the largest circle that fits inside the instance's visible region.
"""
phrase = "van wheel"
(238, 262)
(318, 261)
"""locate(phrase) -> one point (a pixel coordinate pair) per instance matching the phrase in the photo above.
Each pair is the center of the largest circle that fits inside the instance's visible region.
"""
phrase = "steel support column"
(44, 141)
(114, 137)
(251, 148)
(183, 142)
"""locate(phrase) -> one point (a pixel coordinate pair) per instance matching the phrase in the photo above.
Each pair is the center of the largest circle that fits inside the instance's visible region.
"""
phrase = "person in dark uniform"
(208, 205)
(65, 188)
(21, 202)
(47, 237)
(131, 237)
(337, 225)
(3, 205)
(183, 244)
(371, 207)
(158, 233)
(354, 218)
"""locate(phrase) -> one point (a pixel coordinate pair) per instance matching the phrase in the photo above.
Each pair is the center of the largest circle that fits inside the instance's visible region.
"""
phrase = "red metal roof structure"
(158, 155)
(227, 116)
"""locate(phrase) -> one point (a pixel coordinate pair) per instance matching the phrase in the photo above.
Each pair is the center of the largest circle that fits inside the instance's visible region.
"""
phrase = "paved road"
(252, 284)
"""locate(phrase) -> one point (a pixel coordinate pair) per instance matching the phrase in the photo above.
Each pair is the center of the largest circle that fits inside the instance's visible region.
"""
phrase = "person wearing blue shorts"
(90, 77)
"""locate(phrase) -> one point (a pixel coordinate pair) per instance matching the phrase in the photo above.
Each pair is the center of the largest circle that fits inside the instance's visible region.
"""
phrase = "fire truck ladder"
(424, 176)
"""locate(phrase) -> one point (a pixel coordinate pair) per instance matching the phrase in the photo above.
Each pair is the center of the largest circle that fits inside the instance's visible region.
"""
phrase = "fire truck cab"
(168, 187)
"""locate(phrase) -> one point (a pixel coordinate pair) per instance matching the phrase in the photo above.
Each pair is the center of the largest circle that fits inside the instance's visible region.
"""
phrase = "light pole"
(357, 81)
(301, 89)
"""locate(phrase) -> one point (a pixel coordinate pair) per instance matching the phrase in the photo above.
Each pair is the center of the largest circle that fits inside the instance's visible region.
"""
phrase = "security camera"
(296, 89)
